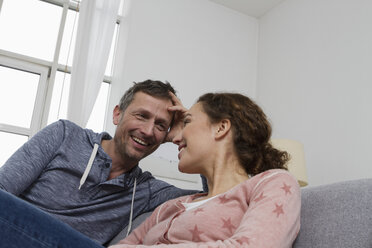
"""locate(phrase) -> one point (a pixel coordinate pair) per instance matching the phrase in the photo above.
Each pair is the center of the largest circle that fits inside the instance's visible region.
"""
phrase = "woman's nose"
(177, 139)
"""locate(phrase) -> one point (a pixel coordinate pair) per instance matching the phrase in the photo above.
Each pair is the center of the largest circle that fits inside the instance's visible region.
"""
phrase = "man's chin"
(140, 156)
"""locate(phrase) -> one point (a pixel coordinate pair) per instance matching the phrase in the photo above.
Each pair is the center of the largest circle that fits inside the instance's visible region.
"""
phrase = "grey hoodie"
(46, 172)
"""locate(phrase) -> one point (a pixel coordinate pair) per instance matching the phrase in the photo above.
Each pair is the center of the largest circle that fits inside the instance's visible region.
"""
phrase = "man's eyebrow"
(143, 110)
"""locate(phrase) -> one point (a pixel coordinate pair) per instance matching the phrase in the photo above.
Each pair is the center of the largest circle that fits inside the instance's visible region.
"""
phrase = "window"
(23, 87)
(30, 27)
(36, 52)
(8, 149)
(19, 98)
(58, 105)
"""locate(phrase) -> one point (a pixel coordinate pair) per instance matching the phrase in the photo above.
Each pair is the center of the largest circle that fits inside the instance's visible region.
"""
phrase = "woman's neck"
(224, 174)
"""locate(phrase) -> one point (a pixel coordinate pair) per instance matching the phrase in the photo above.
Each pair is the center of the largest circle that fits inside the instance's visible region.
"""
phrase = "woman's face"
(195, 142)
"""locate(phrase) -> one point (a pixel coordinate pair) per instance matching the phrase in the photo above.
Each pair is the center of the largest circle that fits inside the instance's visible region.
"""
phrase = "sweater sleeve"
(28, 162)
(271, 220)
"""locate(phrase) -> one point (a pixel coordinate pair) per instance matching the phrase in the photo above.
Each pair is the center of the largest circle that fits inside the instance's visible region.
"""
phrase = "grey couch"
(336, 215)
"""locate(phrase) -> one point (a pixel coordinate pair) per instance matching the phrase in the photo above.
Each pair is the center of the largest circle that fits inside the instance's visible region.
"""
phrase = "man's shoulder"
(66, 124)
(62, 125)
(74, 130)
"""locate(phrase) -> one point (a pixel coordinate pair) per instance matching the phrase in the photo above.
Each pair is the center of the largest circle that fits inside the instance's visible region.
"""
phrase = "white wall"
(197, 45)
(194, 44)
(315, 83)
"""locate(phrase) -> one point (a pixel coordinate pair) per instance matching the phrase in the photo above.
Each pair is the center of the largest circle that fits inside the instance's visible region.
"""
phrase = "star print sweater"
(263, 211)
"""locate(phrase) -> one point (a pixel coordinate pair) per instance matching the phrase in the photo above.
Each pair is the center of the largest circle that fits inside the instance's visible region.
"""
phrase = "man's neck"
(119, 166)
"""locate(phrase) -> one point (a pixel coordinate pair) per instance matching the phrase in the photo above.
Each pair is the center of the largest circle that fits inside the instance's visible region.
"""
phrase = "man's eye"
(185, 122)
(140, 116)
(162, 127)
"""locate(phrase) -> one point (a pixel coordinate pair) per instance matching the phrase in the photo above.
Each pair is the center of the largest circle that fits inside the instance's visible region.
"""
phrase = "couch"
(337, 215)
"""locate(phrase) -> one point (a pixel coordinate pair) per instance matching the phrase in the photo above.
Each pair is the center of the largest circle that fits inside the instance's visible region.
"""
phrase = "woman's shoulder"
(275, 179)
(276, 173)
(266, 181)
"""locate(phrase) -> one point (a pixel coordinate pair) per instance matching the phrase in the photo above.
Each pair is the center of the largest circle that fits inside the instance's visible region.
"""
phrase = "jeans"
(23, 225)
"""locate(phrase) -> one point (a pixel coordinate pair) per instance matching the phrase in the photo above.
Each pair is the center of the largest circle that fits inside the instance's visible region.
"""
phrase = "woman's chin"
(183, 167)
(186, 169)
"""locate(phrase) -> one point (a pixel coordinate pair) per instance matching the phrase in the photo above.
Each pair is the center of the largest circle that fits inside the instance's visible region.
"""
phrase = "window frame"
(10, 60)
(47, 71)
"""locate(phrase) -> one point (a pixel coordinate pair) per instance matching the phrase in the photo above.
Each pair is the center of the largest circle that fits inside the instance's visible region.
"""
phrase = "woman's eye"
(185, 122)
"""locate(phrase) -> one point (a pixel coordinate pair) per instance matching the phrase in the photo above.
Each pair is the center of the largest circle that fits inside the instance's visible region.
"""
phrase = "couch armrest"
(336, 215)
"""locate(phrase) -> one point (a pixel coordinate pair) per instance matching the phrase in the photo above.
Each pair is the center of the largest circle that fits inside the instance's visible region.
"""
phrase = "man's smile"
(140, 141)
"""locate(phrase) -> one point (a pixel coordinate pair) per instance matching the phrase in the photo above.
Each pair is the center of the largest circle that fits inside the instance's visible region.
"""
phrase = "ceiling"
(254, 8)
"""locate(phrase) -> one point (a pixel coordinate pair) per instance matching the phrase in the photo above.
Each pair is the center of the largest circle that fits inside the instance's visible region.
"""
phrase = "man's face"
(142, 127)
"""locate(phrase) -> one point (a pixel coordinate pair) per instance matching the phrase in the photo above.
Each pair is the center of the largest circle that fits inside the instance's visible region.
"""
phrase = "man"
(92, 181)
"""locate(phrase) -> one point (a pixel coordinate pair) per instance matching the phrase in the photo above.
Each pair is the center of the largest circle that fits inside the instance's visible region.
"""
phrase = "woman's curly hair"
(251, 130)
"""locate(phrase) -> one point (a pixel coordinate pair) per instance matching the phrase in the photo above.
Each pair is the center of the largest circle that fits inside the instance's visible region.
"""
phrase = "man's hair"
(153, 88)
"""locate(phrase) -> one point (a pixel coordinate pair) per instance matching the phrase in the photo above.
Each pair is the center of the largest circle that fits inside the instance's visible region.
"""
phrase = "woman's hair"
(251, 130)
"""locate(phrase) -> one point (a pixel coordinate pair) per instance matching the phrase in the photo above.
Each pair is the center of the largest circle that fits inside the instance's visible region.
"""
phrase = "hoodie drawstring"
(89, 165)
(131, 207)
(85, 175)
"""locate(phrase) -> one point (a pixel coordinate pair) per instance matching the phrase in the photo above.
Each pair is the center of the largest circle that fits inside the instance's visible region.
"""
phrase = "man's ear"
(222, 128)
(116, 115)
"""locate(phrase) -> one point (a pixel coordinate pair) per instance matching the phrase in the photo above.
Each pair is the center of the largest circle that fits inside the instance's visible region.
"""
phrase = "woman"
(252, 200)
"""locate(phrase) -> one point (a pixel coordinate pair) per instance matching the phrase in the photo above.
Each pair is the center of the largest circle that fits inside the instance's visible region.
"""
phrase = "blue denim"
(23, 225)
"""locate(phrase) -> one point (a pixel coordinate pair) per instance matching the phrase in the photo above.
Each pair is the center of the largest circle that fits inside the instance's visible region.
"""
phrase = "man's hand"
(179, 111)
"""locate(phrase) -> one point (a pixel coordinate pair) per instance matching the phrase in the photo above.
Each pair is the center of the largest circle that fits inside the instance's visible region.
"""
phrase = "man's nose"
(148, 128)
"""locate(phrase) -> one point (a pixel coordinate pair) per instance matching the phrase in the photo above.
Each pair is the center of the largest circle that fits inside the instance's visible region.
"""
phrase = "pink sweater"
(263, 211)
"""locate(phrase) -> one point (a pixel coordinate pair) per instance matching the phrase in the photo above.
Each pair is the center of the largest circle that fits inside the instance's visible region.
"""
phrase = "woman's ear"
(222, 128)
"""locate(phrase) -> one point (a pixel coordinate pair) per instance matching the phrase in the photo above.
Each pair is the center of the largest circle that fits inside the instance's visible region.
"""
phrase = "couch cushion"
(336, 215)
(136, 222)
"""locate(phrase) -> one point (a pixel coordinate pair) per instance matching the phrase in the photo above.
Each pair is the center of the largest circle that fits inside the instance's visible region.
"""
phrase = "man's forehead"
(147, 103)
(146, 99)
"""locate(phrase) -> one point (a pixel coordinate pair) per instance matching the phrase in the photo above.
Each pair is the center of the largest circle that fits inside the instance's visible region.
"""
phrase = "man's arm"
(179, 111)
(28, 162)
(161, 192)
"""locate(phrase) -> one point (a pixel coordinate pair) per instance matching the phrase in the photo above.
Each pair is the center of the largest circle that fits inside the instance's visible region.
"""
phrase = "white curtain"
(119, 80)
(95, 31)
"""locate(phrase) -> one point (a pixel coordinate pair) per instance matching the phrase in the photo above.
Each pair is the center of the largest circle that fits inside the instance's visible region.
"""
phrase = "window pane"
(68, 43)
(110, 60)
(29, 27)
(96, 120)
(58, 107)
(17, 96)
(61, 89)
(67, 51)
(9, 143)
